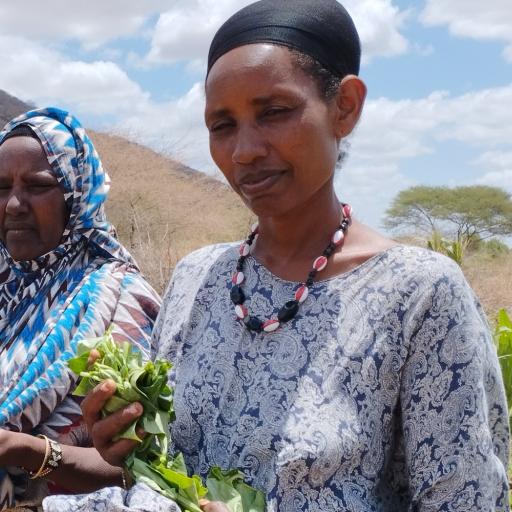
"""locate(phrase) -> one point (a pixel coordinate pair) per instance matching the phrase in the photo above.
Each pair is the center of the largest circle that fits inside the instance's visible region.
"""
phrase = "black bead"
(309, 282)
(253, 324)
(329, 250)
(237, 295)
(288, 311)
(313, 274)
(240, 266)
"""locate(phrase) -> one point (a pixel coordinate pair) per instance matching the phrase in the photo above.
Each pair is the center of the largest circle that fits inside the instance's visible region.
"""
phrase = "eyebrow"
(258, 101)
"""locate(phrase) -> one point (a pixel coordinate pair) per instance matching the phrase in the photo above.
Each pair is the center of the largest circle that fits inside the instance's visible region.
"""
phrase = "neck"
(299, 234)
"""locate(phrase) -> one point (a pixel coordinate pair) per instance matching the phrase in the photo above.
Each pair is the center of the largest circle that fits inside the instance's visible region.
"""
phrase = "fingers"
(103, 430)
(95, 400)
(93, 355)
(117, 421)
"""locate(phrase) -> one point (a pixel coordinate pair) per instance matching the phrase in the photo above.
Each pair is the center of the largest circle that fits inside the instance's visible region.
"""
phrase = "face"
(33, 214)
(272, 135)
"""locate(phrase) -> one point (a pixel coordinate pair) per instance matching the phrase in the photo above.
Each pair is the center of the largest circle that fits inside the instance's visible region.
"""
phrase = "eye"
(221, 126)
(39, 188)
(274, 111)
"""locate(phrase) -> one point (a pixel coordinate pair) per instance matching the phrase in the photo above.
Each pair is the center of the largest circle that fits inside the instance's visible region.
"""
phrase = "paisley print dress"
(383, 395)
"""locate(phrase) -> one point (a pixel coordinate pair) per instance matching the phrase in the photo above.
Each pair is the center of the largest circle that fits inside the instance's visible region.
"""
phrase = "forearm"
(81, 469)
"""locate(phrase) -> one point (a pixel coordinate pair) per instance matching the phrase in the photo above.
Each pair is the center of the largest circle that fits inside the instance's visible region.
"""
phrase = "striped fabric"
(47, 305)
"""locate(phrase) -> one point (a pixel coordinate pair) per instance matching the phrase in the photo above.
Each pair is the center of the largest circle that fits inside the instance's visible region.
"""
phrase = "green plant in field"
(454, 249)
(503, 339)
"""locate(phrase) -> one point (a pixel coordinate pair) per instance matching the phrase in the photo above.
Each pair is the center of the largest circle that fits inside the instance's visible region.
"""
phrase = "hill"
(11, 107)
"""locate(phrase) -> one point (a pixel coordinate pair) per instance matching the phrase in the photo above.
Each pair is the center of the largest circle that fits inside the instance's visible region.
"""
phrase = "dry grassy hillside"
(162, 210)
(10, 107)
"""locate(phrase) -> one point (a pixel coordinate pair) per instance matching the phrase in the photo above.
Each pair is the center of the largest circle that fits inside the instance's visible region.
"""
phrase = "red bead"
(241, 311)
(320, 263)
(338, 237)
(238, 278)
(244, 250)
(271, 325)
(347, 211)
(302, 294)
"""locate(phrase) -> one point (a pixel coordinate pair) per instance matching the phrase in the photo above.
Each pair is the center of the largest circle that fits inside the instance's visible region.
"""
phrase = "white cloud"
(33, 72)
(498, 167)
(180, 34)
(378, 23)
(491, 20)
(92, 23)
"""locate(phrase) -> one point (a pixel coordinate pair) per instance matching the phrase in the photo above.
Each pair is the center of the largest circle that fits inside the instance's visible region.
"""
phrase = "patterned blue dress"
(383, 394)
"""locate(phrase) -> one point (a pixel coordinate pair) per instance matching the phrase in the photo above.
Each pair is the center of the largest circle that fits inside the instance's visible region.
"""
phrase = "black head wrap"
(322, 29)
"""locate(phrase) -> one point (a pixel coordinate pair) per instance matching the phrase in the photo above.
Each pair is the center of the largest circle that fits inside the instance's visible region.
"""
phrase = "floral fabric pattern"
(112, 499)
(383, 395)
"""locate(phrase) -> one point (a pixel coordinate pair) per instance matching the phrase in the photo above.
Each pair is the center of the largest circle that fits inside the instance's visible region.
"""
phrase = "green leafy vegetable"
(146, 382)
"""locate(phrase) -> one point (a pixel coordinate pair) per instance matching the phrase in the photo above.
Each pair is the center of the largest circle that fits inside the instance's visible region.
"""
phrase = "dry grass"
(491, 278)
(162, 210)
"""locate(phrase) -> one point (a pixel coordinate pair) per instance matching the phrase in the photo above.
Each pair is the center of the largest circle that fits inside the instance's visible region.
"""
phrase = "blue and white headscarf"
(75, 291)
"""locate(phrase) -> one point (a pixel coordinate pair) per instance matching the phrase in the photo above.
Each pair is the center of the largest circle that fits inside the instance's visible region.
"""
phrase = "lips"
(252, 183)
(14, 231)
(18, 227)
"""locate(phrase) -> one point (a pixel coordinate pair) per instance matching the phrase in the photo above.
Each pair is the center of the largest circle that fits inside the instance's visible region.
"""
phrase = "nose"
(16, 204)
(249, 145)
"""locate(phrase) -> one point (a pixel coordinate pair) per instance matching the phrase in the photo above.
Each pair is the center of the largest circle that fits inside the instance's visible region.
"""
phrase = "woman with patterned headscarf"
(64, 277)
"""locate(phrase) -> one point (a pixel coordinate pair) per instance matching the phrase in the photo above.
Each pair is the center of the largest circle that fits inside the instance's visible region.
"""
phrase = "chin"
(267, 206)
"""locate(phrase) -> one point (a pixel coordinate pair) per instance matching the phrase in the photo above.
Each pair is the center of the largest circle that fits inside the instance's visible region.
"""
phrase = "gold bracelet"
(52, 458)
(37, 474)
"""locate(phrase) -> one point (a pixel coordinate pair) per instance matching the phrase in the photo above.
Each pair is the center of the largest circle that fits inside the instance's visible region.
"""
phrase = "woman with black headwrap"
(338, 369)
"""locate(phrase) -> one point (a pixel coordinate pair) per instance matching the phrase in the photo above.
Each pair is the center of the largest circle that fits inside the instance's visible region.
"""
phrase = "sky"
(439, 77)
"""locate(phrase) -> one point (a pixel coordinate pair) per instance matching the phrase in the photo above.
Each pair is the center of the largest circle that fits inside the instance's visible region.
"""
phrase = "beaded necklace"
(290, 309)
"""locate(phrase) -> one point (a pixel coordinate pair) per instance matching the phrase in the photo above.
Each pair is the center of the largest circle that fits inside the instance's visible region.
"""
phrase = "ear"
(349, 104)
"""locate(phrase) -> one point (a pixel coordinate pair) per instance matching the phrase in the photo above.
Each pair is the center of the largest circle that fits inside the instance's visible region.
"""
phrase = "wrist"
(26, 451)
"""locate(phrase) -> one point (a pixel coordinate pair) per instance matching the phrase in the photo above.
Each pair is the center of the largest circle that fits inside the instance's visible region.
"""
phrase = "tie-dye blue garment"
(383, 394)
(47, 305)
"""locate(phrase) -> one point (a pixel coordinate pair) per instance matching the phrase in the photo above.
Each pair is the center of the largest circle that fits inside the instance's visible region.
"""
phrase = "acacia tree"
(467, 213)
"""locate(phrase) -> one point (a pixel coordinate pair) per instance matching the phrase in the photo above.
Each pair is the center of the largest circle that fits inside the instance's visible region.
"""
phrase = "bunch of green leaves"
(149, 463)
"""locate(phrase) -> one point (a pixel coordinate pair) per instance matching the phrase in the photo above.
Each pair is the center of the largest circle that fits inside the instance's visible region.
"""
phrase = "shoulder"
(421, 266)
(196, 268)
(199, 263)
(430, 284)
(208, 255)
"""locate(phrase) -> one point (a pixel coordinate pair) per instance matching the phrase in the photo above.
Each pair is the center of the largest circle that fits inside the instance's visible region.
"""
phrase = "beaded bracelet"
(52, 458)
